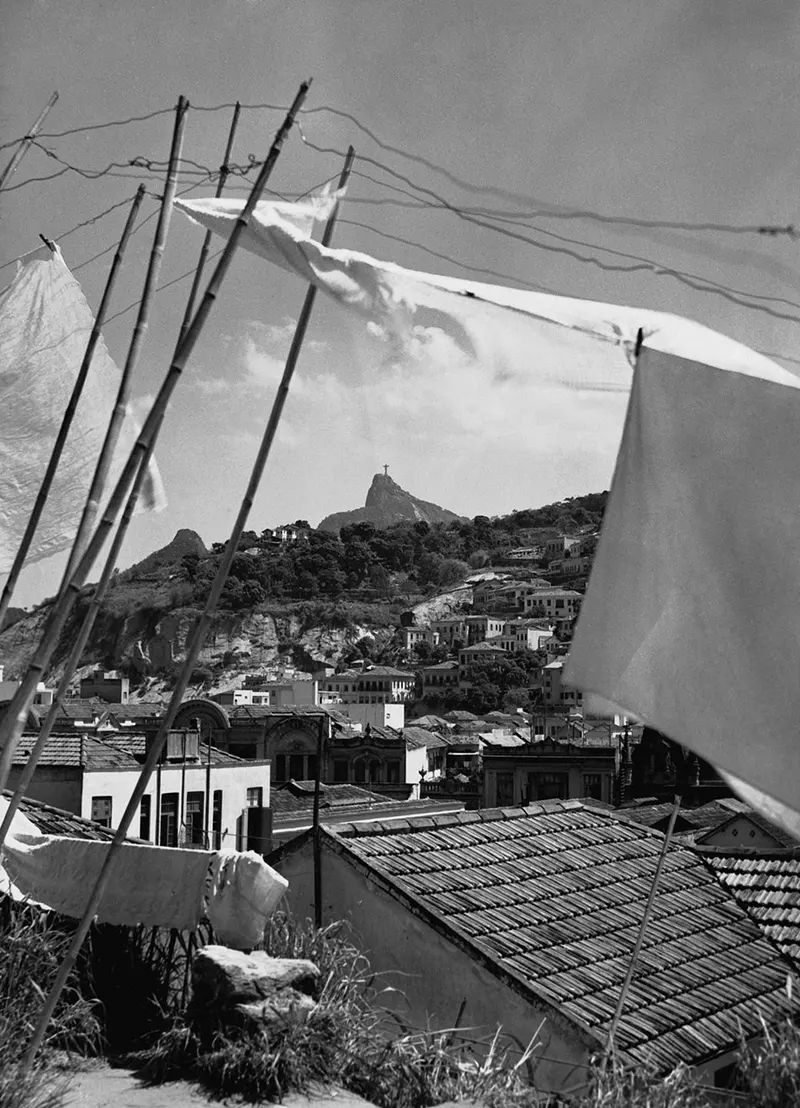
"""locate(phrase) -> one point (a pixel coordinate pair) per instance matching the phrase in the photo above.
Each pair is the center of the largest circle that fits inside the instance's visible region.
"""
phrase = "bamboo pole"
(204, 249)
(103, 466)
(25, 142)
(147, 440)
(71, 665)
(66, 422)
(101, 588)
(13, 724)
(623, 993)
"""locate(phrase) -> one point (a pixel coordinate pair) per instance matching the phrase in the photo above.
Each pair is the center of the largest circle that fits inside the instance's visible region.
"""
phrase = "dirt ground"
(103, 1087)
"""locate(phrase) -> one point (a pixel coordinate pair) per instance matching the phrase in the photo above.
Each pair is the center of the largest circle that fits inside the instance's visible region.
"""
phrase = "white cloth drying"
(690, 617)
(45, 323)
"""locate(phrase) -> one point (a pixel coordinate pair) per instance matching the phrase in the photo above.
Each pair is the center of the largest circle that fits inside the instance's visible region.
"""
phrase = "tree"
(451, 571)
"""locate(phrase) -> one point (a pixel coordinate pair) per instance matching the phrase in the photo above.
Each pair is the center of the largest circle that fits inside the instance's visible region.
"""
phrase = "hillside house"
(450, 631)
(559, 546)
(412, 636)
(481, 628)
(553, 604)
(528, 917)
(376, 685)
(522, 634)
(439, 679)
(482, 653)
(556, 694)
(105, 685)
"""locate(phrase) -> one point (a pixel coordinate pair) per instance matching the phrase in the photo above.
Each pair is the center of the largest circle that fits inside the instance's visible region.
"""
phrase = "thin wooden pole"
(204, 249)
(103, 466)
(315, 832)
(70, 666)
(146, 440)
(102, 586)
(623, 993)
(66, 422)
(13, 724)
(25, 142)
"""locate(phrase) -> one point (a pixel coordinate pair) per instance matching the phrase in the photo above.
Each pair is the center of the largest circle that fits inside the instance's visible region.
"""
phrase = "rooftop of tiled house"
(551, 897)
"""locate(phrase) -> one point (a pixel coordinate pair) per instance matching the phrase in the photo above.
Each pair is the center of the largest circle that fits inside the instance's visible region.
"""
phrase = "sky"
(684, 112)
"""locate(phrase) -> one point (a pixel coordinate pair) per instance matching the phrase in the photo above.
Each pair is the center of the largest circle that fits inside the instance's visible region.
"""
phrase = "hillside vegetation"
(318, 596)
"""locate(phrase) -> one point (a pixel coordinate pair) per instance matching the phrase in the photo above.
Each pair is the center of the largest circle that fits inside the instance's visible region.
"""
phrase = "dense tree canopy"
(431, 556)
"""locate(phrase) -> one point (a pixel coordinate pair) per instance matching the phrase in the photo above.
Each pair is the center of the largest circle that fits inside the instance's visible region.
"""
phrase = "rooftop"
(551, 897)
(767, 885)
(55, 821)
(298, 796)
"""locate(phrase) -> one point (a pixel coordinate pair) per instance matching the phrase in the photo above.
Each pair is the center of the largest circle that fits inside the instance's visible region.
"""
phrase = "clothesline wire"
(547, 208)
(429, 198)
(446, 206)
(694, 282)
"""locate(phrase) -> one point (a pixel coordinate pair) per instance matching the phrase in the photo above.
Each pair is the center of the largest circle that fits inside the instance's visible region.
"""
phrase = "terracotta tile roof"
(767, 885)
(551, 897)
(298, 796)
(78, 751)
(779, 834)
(55, 821)
(418, 737)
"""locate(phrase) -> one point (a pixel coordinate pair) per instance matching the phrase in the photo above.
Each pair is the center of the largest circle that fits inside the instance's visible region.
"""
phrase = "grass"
(350, 1040)
(31, 949)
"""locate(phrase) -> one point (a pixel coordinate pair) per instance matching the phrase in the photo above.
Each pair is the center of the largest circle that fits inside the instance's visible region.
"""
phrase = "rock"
(232, 989)
(285, 1008)
(224, 977)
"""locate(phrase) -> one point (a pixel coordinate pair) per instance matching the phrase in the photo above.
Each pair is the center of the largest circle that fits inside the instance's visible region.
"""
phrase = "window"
(297, 765)
(194, 819)
(144, 817)
(255, 798)
(504, 790)
(360, 772)
(593, 785)
(101, 810)
(548, 786)
(280, 767)
(216, 819)
(168, 828)
(341, 771)
(393, 773)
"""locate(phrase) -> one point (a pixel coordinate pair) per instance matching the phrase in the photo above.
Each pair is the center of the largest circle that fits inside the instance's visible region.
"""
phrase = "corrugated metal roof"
(767, 885)
(554, 894)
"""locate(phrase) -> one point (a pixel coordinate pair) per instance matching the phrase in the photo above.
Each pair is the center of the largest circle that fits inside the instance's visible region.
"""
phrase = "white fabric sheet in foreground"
(557, 341)
(45, 323)
(157, 886)
(690, 617)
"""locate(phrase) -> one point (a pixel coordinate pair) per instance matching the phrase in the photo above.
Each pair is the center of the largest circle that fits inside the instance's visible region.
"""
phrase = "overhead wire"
(547, 208)
(735, 296)
(484, 217)
(446, 206)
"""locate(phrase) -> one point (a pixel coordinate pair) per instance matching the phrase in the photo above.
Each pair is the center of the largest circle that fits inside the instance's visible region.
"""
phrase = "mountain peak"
(388, 503)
